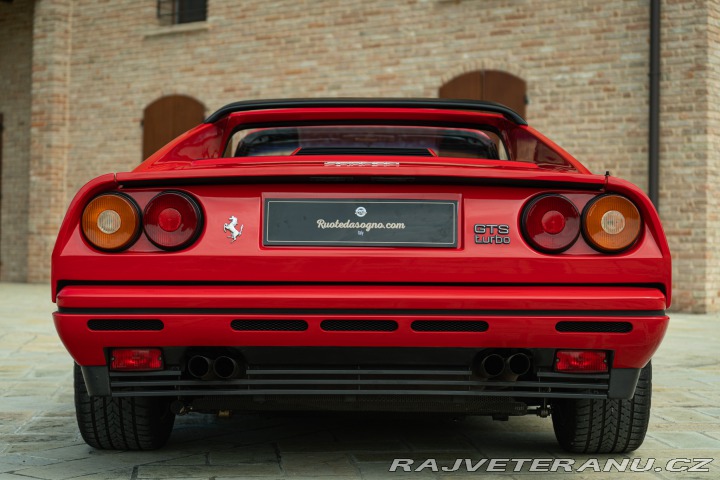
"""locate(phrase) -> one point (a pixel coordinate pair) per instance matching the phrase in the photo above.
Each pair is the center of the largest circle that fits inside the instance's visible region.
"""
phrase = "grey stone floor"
(39, 438)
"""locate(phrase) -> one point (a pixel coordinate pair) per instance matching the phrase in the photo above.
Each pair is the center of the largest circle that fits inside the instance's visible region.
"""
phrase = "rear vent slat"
(269, 325)
(359, 325)
(414, 152)
(449, 326)
(125, 325)
(594, 327)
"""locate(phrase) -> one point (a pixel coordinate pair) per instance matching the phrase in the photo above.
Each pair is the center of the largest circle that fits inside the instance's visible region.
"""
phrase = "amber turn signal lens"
(611, 223)
(111, 222)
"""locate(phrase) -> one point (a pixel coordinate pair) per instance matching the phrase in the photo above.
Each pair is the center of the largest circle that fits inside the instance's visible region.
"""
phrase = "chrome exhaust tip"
(518, 364)
(200, 367)
(226, 368)
(490, 366)
(515, 365)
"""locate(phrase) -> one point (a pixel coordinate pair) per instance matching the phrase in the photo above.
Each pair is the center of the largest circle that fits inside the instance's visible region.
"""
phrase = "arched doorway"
(491, 85)
(168, 117)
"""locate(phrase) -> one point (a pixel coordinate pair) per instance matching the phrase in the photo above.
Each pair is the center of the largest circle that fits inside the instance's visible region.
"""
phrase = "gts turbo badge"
(486, 234)
(234, 232)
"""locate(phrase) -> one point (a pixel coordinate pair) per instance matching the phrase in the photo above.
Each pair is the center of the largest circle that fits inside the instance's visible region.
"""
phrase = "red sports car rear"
(362, 254)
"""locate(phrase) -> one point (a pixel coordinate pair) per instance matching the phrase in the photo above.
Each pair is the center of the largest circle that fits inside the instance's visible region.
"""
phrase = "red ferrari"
(397, 255)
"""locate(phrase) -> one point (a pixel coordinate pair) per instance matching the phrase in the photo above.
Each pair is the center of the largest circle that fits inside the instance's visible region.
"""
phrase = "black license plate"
(350, 222)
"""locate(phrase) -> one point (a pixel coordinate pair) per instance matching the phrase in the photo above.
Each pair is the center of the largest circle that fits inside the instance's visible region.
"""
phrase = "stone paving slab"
(39, 437)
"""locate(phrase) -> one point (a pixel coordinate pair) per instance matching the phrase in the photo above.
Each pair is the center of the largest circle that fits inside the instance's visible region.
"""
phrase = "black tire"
(604, 426)
(133, 423)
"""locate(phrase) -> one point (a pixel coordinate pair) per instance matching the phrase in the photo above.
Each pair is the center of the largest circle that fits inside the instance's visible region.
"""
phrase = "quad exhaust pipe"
(222, 368)
(226, 368)
(495, 367)
(491, 366)
(200, 367)
(515, 365)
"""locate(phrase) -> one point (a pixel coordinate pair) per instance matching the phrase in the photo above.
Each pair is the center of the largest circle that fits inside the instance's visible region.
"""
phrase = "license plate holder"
(342, 222)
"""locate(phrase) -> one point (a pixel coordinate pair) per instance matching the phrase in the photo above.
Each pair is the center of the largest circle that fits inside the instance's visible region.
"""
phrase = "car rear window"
(366, 140)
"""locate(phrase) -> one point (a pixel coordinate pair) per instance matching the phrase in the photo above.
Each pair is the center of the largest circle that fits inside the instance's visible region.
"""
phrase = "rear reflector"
(581, 361)
(136, 359)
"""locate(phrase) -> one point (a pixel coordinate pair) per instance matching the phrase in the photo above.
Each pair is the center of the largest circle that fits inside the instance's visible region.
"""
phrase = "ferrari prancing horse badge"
(234, 232)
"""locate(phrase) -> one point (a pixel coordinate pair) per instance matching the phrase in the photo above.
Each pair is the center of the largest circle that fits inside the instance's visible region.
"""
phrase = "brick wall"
(585, 63)
(689, 147)
(49, 140)
(15, 70)
(711, 188)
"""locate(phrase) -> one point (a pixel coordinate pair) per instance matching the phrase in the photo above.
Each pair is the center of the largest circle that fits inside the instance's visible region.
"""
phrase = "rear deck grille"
(387, 151)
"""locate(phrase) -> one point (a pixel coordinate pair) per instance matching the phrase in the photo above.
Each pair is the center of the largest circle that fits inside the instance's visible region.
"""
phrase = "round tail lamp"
(611, 223)
(551, 223)
(111, 222)
(172, 220)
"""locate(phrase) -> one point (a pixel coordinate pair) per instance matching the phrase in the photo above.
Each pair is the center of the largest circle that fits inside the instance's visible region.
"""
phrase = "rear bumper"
(92, 319)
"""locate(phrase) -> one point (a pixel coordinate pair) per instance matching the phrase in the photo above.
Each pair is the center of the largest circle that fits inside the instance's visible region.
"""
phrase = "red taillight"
(581, 361)
(172, 220)
(551, 223)
(136, 359)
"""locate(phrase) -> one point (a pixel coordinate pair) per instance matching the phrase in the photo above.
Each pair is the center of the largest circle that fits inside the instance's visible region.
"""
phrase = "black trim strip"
(563, 375)
(478, 393)
(157, 373)
(296, 312)
(356, 371)
(390, 178)
(317, 382)
(442, 104)
(193, 283)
